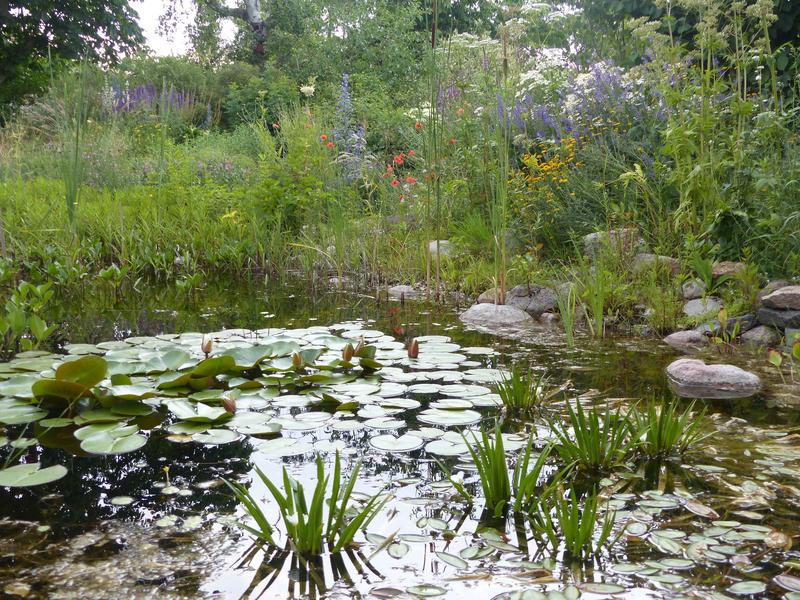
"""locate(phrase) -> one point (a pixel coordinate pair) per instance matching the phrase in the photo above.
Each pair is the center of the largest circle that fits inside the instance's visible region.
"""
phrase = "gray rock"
(702, 306)
(488, 297)
(687, 341)
(693, 289)
(532, 298)
(762, 336)
(404, 291)
(692, 378)
(785, 298)
(621, 241)
(778, 318)
(445, 248)
(495, 315)
(644, 262)
(549, 318)
(771, 287)
(727, 267)
(737, 325)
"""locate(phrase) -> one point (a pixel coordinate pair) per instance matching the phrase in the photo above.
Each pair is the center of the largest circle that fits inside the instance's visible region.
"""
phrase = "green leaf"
(86, 371)
(216, 365)
(27, 475)
(108, 444)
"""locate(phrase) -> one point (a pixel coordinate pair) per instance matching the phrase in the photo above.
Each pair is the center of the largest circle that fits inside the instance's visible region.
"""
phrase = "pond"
(143, 510)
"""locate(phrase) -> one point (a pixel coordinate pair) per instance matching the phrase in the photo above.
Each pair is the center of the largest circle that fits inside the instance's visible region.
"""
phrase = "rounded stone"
(762, 335)
(404, 291)
(687, 341)
(495, 315)
(785, 298)
(702, 306)
(692, 378)
(693, 289)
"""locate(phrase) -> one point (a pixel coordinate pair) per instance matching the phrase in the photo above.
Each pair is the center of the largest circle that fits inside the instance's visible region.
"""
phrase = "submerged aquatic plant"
(563, 518)
(663, 430)
(307, 527)
(592, 443)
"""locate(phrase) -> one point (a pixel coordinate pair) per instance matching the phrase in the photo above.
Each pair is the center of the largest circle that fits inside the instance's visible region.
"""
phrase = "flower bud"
(413, 349)
(206, 345)
(297, 360)
(359, 346)
(229, 404)
(348, 352)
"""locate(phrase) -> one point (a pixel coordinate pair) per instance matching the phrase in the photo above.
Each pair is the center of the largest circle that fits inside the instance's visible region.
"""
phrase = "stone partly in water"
(727, 267)
(495, 315)
(644, 262)
(620, 241)
(693, 289)
(785, 298)
(762, 335)
(490, 296)
(403, 291)
(445, 248)
(532, 298)
(692, 378)
(702, 307)
(778, 318)
(687, 341)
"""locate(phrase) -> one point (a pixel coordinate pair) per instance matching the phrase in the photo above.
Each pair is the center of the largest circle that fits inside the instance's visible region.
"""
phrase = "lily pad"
(27, 475)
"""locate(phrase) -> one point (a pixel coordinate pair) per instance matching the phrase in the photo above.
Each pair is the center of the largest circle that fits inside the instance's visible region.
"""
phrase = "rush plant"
(665, 430)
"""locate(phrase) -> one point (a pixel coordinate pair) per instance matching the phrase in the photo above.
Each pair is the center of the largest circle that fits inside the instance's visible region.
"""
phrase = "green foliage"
(523, 392)
(307, 526)
(561, 519)
(21, 326)
(489, 457)
(592, 441)
(663, 430)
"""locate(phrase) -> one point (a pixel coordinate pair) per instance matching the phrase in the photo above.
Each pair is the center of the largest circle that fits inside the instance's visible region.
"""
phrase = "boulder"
(495, 315)
(702, 306)
(771, 287)
(693, 378)
(644, 262)
(445, 248)
(727, 267)
(687, 341)
(693, 289)
(532, 298)
(549, 318)
(762, 335)
(488, 297)
(785, 298)
(778, 318)
(621, 241)
(403, 291)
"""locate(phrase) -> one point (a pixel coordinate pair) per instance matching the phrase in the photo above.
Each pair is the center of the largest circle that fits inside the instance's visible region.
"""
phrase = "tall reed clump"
(308, 529)
(524, 393)
(567, 304)
(498, 486)
(73, 130)
(591, 441)
(664, 430)
(564, 519)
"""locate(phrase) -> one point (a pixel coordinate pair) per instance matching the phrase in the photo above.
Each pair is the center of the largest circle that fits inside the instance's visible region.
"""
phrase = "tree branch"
(226, 11)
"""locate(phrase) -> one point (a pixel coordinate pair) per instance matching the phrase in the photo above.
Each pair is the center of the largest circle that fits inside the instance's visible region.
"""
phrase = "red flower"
(451, 141)
(410, 153)
(389, 168)
(395, 183)
(411, 179)
(417, 125)
(460, 111)
(323, 137)
(330, 145)
(398, 160)
(276, 125)
(402, 198)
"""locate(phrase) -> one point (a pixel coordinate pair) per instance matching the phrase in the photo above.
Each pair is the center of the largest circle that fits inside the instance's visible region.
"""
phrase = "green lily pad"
(746, 588)
(27, 475)
(86, 371)
(108, 444)
(391, 443)
(452, 560)
(216, 436)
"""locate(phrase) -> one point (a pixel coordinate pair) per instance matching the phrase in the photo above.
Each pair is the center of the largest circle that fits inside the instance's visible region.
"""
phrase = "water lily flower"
(206, 345)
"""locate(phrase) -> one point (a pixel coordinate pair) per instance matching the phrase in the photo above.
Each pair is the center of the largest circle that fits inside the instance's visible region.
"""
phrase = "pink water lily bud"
(206, 345)
(348, 352)
(229, 404)
(297, 360)
(413, 349)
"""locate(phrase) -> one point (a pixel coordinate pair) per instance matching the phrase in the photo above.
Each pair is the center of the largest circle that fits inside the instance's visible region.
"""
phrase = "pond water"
(159, 522)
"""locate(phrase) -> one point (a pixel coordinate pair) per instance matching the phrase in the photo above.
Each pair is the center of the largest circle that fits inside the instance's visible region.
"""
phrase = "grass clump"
(308, 529)
(593, 442)
(524, 392)
(665, 430)
(563, 518)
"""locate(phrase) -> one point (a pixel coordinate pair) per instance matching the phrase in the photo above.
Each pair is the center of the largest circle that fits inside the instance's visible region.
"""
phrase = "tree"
(32, 32)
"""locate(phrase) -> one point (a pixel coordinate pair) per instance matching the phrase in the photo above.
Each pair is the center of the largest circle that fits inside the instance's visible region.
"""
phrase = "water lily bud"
(297, 360)
(348, 352)
(206, 345)
(413, 349)
(359, 347)
(229, 404)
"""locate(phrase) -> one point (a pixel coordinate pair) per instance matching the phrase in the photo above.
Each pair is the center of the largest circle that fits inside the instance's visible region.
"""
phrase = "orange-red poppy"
(418, 125)
(395, 183)
(411, 179)
(323, 137)
(330, 144)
